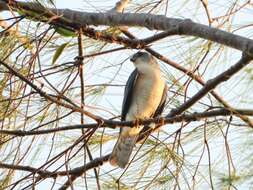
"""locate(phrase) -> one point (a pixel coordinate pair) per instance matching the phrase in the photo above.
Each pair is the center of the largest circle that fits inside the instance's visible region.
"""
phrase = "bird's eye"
(140, 53)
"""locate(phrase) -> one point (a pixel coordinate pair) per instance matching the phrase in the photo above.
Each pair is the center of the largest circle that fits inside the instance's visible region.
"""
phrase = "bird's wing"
(125, 143)
(160, 107)
(128, 94)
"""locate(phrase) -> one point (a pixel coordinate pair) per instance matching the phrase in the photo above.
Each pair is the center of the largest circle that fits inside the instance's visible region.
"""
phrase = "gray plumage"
(144, 97)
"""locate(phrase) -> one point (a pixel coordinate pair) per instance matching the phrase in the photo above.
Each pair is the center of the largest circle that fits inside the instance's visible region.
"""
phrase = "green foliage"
(6, 180)
(59, 51)
(65, 32)
(229, 179)
(162, 181)
(112, 30)
(112, 185)
(8, 43)
(31, 15)
(99, 138)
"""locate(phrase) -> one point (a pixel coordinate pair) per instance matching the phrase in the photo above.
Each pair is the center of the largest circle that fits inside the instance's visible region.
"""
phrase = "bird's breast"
(148, 91)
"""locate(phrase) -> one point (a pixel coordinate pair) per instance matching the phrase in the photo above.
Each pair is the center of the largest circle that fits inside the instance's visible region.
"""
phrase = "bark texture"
(150, 21)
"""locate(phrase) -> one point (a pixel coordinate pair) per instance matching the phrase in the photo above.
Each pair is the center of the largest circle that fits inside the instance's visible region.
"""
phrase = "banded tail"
(122, 150)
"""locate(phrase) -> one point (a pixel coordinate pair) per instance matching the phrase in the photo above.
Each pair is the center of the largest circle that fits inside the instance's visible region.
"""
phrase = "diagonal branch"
(45, 95)
(211, 84)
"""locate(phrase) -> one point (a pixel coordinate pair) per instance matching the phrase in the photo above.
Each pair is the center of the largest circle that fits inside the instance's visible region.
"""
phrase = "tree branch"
(45, 95)
(150, 21)
(211, 84)
(42, 173)
(76, 172)
(114, 124)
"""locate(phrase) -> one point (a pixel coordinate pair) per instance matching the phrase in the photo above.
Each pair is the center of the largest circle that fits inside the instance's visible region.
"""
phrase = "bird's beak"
(132, 59)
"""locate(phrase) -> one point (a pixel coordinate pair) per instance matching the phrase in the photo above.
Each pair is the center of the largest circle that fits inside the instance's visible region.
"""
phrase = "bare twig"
(205, 5)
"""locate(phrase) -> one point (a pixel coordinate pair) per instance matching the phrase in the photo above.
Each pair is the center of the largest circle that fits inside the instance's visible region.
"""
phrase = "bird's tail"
(122, 150)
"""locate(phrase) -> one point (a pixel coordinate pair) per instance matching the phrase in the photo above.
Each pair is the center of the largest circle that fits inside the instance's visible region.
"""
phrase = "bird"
(144, 97)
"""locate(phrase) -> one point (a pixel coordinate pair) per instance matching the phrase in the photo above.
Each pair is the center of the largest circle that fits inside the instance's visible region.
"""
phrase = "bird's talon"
(136, 122)
(162, 121)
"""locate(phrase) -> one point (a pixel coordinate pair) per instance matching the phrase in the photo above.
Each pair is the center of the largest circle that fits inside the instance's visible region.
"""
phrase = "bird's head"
(144, 61)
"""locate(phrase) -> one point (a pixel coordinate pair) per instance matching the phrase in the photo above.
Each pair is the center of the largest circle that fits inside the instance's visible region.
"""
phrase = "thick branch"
(150, 21)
